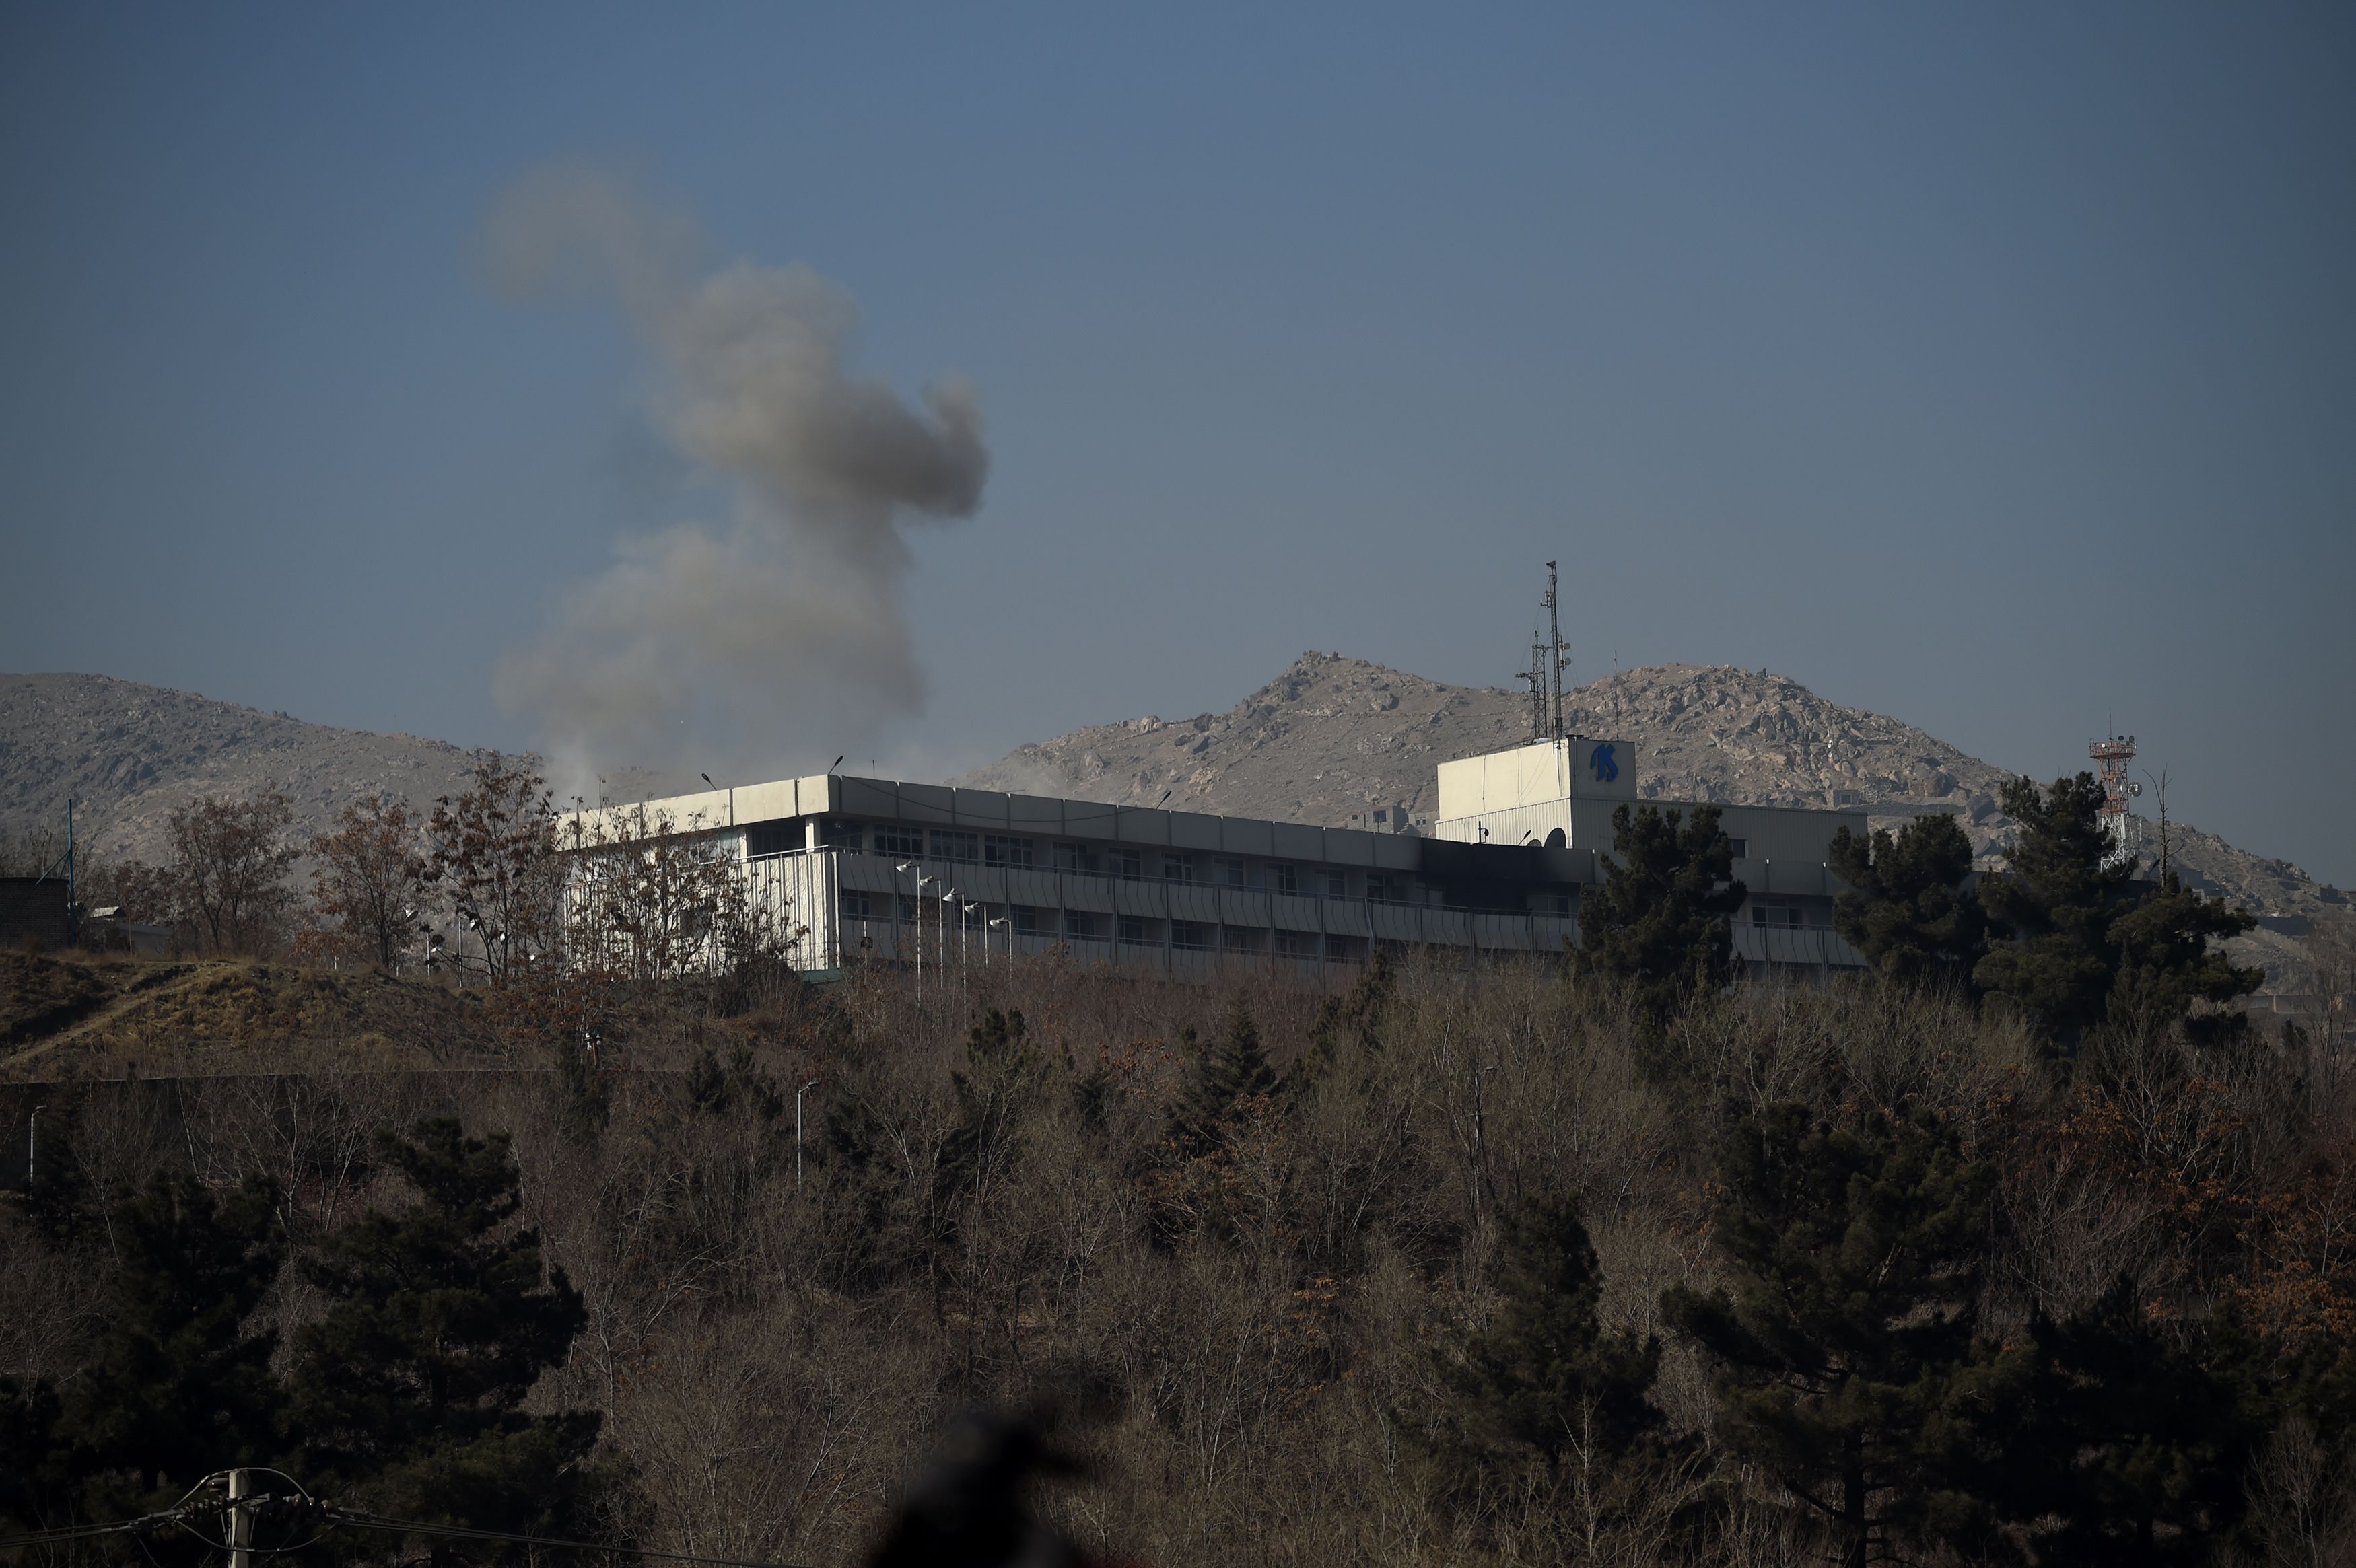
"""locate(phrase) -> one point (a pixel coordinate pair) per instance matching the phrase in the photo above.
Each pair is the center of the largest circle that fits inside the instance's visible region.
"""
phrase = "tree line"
(2067, 933)
(2022, 1246)
(494, 883)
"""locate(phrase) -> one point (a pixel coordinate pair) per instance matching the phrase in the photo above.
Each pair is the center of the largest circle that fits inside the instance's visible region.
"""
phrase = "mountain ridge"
(1330, 740)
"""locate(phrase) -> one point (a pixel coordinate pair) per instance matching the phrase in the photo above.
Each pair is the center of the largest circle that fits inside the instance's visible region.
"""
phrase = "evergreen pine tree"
(2053, 907)
(2082, 941)
(2165, 963)
(994, 1089)
(1545, 1379)
(1660, 922)
(1233, 1068)
(408, 1391)
(1906, 910)
(2110, 1437)
(1852, 1257)
(179, 1388)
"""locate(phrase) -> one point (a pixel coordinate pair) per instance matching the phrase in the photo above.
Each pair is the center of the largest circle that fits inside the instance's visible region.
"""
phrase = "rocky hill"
(130, 753)
(1330, 741)
(1333, 739)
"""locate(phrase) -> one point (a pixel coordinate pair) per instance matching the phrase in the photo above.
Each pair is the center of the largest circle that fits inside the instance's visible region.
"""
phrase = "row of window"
(1767, 911)
(1010, 852)
(1127, 930)
(1775, 912)
(1018, 853)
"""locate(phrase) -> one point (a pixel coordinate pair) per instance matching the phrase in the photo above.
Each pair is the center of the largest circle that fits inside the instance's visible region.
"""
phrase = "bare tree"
(371, 876)
(650, 901)
(228, 867)
(493, 848)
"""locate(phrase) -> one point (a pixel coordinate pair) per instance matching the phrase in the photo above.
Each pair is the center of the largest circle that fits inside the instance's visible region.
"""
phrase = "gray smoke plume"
(786, 625)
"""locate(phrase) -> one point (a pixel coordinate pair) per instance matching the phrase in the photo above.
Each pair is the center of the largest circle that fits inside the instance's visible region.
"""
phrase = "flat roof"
(984, 810)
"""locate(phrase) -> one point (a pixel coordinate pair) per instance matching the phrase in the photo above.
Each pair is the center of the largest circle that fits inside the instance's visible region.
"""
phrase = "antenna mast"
(1536, 678)
(1554, 657)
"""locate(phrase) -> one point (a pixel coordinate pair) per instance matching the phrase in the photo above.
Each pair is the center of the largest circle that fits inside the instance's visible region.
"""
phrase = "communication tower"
(2112, 756)
(1550, 657)
(1536, 678)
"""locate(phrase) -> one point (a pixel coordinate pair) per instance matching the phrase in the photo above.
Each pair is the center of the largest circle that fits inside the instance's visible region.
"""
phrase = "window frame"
(1007, 852)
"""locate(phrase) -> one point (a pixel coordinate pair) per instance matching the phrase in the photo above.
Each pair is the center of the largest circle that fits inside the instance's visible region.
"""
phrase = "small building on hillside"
(877, 870)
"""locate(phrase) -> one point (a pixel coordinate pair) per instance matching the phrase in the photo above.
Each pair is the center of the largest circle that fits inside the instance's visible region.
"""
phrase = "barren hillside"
(1333, 737)
(1328, 741)
(130, 753)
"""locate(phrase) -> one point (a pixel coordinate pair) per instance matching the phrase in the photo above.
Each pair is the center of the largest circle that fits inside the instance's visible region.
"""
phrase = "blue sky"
(1992, 367)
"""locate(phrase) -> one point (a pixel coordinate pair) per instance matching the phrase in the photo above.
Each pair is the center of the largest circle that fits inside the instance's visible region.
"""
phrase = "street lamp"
(921, 883)
(902, 868)
(965, 924)
(1009, 924)
(950, 898)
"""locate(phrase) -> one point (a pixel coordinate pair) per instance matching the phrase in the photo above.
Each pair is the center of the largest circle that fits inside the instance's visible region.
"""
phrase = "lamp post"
(1008, 923)
(904, 867)
(921, 883)
(965, 924)
(33, 1146)
(950, 901)
(797, 1131)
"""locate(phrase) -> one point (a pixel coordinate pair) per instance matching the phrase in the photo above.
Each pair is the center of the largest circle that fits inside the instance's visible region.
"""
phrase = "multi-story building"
(875, 870)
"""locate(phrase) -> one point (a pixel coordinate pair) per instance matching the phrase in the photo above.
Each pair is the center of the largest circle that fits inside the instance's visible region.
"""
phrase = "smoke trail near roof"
(789, 617)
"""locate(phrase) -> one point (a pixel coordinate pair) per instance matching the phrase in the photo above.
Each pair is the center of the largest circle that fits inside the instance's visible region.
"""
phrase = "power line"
(145, 1523)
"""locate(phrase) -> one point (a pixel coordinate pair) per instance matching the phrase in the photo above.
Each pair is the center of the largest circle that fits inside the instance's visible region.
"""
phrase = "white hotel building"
(876, 871)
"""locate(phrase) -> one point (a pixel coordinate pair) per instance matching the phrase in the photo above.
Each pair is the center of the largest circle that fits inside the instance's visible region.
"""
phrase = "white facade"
(871, 870)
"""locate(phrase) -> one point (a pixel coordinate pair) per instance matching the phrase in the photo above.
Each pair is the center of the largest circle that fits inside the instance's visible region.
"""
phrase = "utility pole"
(241, 1520)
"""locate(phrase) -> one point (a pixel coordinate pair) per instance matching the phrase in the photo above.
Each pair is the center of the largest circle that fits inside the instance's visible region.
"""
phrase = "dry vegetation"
(1251, 1336)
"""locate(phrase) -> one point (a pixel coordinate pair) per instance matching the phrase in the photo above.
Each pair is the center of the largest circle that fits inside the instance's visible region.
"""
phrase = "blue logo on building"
(1606, 769)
